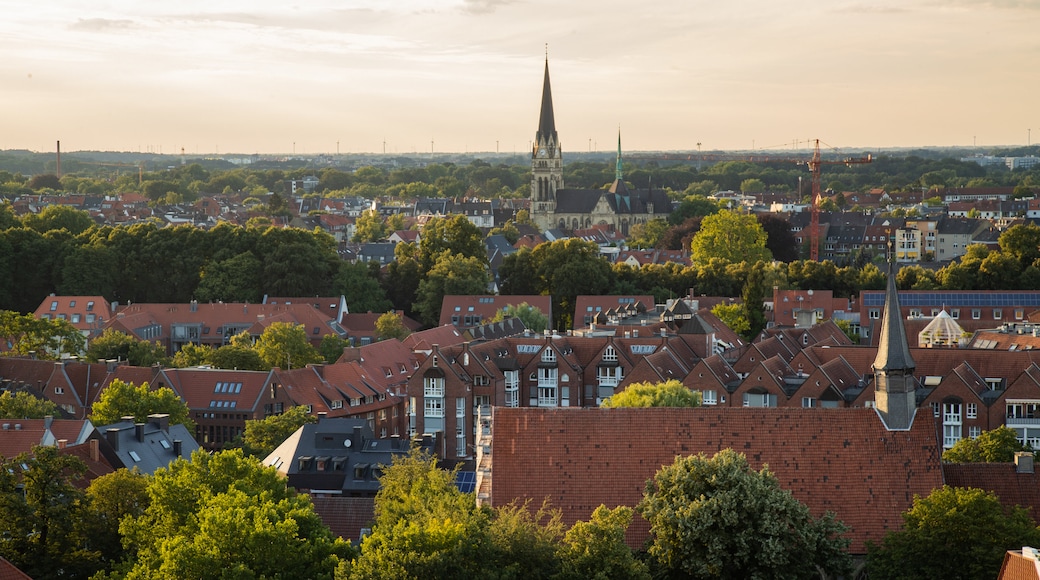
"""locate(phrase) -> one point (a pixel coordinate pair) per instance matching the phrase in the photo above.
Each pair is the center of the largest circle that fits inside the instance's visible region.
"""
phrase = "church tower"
(894, 382)
(546, 161)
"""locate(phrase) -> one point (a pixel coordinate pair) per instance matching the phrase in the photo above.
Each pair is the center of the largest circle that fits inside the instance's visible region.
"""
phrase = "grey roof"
(336, 455)
(146, 446)
(957, 226)
(893, 350)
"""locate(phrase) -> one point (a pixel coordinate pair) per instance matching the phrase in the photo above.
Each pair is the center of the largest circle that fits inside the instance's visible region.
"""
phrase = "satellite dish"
(346, 442)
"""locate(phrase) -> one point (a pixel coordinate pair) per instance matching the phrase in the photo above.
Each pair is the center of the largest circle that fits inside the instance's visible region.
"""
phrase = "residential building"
(146, 446)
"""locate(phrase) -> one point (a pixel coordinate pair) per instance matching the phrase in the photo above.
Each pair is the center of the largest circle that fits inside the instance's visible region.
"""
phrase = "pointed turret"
(546, 135)
(617, 166)
(894, 382)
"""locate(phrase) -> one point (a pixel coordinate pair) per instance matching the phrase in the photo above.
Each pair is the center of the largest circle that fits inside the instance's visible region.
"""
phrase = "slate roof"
(893, 349)
(146, 446)
(840, 460)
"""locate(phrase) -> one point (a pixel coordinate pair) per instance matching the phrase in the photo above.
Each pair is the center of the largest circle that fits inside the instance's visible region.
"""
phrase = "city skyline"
(421, 76)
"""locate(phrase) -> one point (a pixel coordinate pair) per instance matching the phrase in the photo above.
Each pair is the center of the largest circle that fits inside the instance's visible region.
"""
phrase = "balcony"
(1021, 421)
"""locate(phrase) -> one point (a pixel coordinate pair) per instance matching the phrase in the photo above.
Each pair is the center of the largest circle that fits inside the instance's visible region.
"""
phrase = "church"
(555, 206)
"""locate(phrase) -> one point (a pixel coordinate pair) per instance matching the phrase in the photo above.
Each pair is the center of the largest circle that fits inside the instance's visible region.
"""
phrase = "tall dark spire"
(617, 166)
(893, 348)
(546, 121)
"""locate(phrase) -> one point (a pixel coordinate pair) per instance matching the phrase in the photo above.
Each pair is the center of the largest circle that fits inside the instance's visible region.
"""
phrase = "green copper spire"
(617, 168)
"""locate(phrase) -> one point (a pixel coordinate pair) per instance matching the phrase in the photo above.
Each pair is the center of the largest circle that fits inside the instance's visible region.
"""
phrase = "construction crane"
(814, 164)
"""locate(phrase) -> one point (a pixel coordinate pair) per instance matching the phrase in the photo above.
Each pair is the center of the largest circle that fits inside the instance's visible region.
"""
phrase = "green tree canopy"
(286, 345)
(391, 325)
(596, 549)
(40, 337)
(369, 227)
(731, 236)
(994, 446)
(262, 436)
(26, 406)
(121, 399)
(715, 517)
(531, 316)
(451, 274)
(57, 217)
(116, 345)
(671, 393)
(226, 516)
(954, 533)
(453, 234)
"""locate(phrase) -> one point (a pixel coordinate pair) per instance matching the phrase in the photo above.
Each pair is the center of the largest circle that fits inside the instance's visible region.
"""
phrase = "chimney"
(95, 451)
(63, 443)
(322, 415)
(1023, 462)
(356, 438)
(113, 438)
(177, 447)
(162, 420)
(350, 354)
(139, 432)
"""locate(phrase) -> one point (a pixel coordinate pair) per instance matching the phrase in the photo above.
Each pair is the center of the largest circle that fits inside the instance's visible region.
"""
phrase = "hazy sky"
(253, 76)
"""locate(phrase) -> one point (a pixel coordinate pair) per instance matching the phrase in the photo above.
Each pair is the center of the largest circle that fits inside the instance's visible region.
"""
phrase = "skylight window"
(135, 456)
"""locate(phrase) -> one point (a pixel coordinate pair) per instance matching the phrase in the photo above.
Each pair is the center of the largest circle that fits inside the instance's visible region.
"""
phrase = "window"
(759, 400)
(548, 355)
(709, 397)
(512, 388)
(997, 314)
(337, 404)
(976, 313)
(935, 409)
(433, 407)
(974, 431)
(75, 318)
(874, 313)
(90, 305)
(808, 402)
(955, 313)
(972, 411)
(609, 354)
(1019, 313)
(54, 305)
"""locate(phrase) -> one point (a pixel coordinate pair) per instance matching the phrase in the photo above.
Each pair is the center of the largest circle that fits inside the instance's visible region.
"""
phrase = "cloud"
(484, 6)
(102, 24)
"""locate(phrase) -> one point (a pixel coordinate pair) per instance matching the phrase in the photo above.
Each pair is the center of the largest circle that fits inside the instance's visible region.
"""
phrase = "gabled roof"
(146, 446)
(840, 460)
(1018, 565)
(1002, 479)
(219, 389)
(486, 306)
(9, 571)
(423, 340)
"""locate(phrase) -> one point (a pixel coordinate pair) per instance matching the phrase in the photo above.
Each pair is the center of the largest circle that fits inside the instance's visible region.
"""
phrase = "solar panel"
(466, 481)
(955, 299)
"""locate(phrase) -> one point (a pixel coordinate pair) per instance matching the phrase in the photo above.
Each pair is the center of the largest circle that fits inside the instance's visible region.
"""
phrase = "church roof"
(893, 349)
(546, 121)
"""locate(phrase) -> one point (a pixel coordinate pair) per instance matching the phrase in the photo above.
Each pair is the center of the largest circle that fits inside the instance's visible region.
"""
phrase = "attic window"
(54, 305)
(165, 444)
(59, 391)
(135, 456)
(317, 330)
(90, 306)
(359, 470)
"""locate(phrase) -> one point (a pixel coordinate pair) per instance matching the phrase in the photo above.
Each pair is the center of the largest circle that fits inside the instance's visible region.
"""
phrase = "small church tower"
(894, 382)
(546, 161)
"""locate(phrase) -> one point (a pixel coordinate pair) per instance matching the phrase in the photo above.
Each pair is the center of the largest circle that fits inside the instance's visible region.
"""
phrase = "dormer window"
(609, 354)
(548, 355)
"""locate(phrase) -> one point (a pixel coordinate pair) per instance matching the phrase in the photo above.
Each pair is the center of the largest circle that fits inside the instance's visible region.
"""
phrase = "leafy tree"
(192, 355)
(693, 206)
(237, 356)
(734, 316)
(649, 234)
(26, 406)
(752, 185)
(508, 230)
(113, 344)
(56, 217)
(753, 298)
(356, 282)
(731, 236)
(369, 227)
(45, 181)
(331, 347)
(531, 316)
(41, 504)
(236, 279)
(401, 282)
(110, 498)
(566, 269)
(391, 325)
(846, 327)
(455, 235)
(284, 343)
(953, 533)
(718, 518)
(994, 446)
(226, 516)
(262, 436)
(451, 274)
(424, 527)
(596, 549)
(1021, 242)
(43, 338)
(671, 393)
(779, 240)
(121, 399)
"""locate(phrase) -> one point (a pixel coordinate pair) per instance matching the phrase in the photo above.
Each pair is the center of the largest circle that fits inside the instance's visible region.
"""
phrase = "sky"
(355, 76)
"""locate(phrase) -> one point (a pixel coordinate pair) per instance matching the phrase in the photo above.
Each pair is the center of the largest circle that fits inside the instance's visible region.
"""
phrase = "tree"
(116, 345)
(262, 436)
(566, 269)
(452, 274)
(331, 347)
(236, 279)
(356, 282)
(238, 357)
(671, 393)
(226, 516)
(731, 236)
(110, 498)
(752, 185)
(26, 406)
(285, 343)
(953, 533)
(424, 526)
(994, 446)
(649, 234)
(45, 181)
(455, 235)
(734, 316)
(192, 355)
(41, 504)
(531, 316)
(391, 325)
(42, 338)
(779, 240)
(718, 518)
(1021, 242)
(596, 549)
(369, 227)
(120, 399)
(57, 217)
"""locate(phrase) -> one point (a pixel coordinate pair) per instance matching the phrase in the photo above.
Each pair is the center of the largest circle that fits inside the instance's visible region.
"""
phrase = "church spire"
(894, 382)
(617, 167)
(546, 122)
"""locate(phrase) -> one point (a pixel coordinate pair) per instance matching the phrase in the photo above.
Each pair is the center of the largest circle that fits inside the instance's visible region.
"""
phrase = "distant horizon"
(455, 76)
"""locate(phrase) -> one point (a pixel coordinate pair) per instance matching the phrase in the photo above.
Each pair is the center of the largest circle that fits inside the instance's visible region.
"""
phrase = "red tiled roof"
(9, 571)
(841, 460)
(345, 516)
(1016, 566)
(1001, 479)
